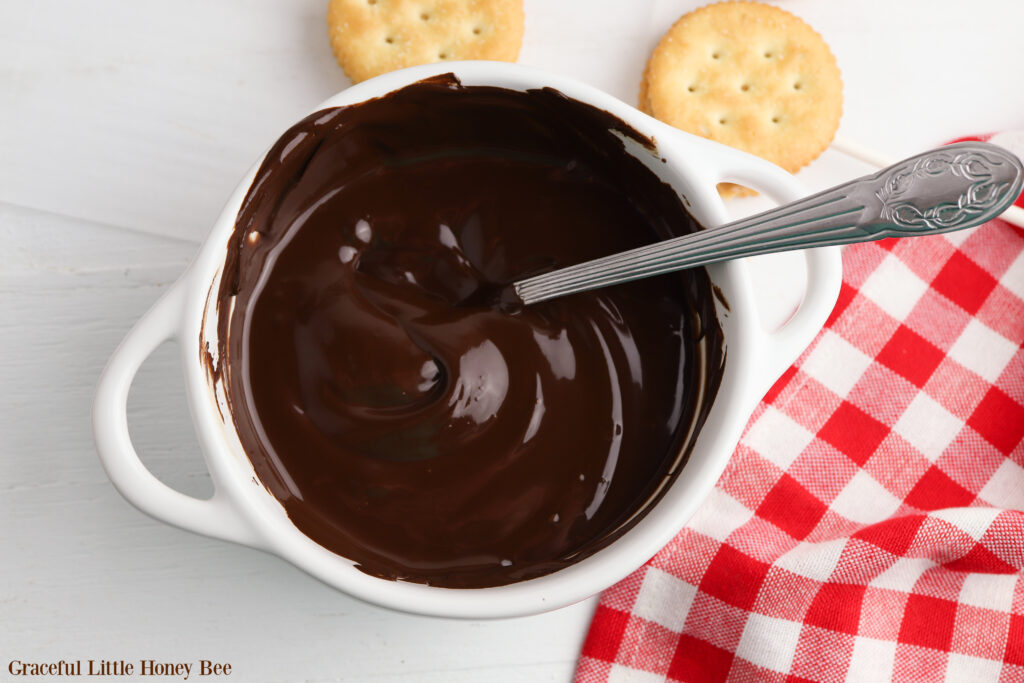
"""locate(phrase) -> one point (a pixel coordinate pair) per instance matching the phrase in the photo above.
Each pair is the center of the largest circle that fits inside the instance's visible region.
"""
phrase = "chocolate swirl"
(400, 420)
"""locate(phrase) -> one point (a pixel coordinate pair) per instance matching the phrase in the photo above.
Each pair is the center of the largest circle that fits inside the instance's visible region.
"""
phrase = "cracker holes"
(477, 31)
(798, 86)
(442, 55)
(767, 54)
(371, 2)
(722, 121)
(691, 88)
(745, 87)
(389, 40)
(716, 55)
(776, 119)
(425, 16)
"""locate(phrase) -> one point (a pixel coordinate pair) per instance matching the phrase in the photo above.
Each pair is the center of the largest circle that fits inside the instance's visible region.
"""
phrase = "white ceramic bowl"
(243, 511)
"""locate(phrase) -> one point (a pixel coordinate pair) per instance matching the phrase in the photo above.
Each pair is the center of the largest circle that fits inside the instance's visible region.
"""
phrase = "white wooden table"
(123, 126)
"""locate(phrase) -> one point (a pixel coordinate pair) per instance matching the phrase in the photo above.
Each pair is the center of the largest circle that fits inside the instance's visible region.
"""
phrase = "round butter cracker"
(371, 37)
(750, 76)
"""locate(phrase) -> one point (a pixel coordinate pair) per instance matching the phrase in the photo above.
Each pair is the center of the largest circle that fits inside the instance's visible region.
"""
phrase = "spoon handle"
(950, 188)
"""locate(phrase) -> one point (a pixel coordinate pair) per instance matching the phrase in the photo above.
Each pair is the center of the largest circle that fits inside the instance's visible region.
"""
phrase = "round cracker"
(750, 76)
(371, 37)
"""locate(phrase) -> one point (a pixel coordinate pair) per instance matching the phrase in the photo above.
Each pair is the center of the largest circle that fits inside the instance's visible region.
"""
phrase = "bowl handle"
(215, 516)
(824, 267)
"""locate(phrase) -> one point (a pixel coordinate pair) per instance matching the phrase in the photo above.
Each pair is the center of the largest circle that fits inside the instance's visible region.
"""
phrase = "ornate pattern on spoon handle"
(981, 175)
(949, 188)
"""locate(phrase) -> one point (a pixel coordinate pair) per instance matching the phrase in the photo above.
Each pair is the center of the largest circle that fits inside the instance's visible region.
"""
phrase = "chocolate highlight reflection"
(403, 422)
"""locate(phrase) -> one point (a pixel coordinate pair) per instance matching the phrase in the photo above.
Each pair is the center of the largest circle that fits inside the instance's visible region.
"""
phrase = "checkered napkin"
(870, 526)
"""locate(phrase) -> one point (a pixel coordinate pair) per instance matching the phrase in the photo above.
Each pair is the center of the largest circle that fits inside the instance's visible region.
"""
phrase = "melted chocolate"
(401, 419)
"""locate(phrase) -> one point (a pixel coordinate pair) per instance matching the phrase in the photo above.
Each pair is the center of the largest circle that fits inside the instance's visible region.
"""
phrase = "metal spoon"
(950, 188)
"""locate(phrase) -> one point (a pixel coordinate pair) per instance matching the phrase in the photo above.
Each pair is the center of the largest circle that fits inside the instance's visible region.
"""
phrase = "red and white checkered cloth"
(870, 526)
